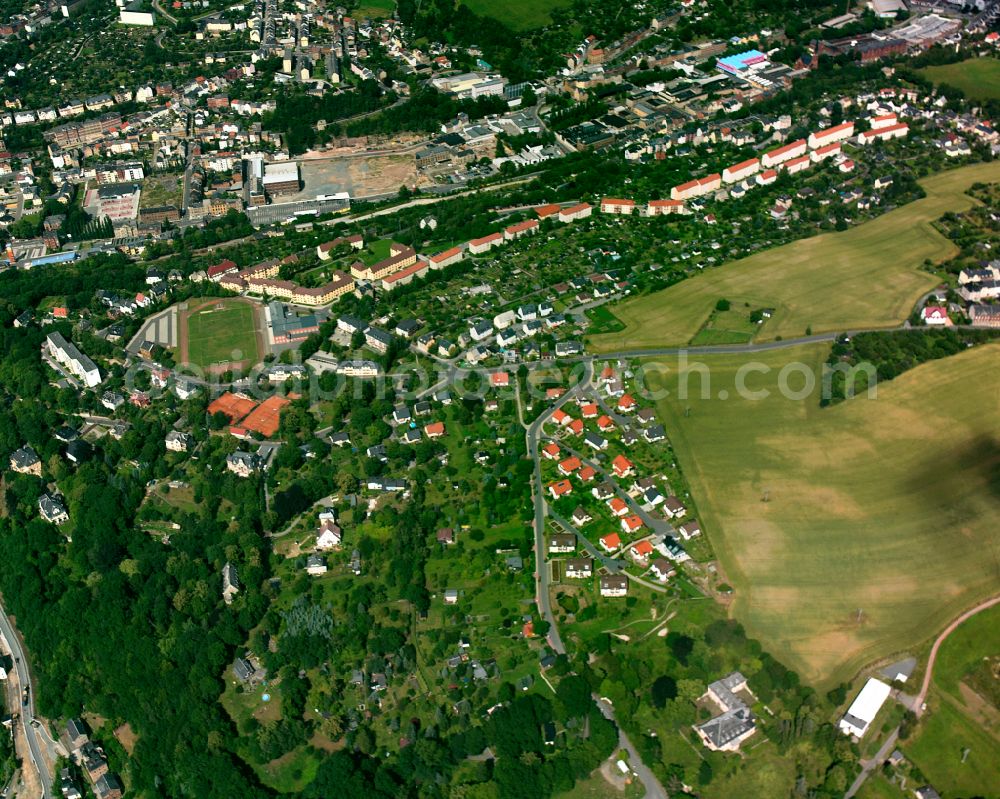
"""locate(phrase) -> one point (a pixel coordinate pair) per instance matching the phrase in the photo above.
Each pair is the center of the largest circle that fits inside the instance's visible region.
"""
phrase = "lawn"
(878, 787)
(957, 717)
(603, 321)
(979, 78)
(374, 9)
(853, 532)
(937, 751)
(217, 336)
(520, 15)
(376, 251)
(867, 276)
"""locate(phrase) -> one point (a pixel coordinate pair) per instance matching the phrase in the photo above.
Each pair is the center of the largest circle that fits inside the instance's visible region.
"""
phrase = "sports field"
(221, 331)
(519, 15)
(853, 532)
(979, 78)
(867, 276)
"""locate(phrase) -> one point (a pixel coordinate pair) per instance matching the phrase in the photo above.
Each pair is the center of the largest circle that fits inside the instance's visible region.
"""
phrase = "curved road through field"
(918, 704)
(26, 711)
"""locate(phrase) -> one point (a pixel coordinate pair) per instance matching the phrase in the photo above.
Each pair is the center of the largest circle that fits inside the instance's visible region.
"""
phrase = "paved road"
(541, 566)
(868, 766)
(27, 712)
(929, 673)
(654, 790)
(656, 525)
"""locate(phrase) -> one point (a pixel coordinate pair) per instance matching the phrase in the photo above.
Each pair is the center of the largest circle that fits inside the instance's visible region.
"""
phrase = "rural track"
(918, 704)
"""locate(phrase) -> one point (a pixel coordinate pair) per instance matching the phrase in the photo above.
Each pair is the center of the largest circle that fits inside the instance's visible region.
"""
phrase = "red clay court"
(264, 419)
(235, 406)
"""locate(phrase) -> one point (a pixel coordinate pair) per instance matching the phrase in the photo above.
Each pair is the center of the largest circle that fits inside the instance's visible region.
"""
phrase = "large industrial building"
(281, 178)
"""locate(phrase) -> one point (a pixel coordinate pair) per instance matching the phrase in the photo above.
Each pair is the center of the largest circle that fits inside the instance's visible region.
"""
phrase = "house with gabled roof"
(631, 524)
(610, 542)
(622, 466)
(613, 585)
(603, 491)
(662, 569)
(689, 530)
(640, 552)
(673, 508)
(569, 465)
(618, 506)
(560, 488)
(579, 568)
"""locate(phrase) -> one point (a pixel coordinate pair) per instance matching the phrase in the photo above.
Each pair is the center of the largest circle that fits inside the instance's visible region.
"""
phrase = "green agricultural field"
(958, 717)
(865, 277)
(852, 532)
(979, 78)
(520, 15)
(219, 335)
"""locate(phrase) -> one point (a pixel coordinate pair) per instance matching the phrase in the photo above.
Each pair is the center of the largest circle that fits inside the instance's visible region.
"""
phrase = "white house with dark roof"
(52, 509)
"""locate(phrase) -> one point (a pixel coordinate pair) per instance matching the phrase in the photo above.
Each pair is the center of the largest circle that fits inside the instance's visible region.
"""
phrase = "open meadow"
(979, 78)
(220, 331)
(865, 277)
(853, 532)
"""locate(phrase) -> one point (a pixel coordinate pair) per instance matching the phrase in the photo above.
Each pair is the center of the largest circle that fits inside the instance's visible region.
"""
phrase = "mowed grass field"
(959, 718)
(519, 15)
(880, 523)
(864, 277)
(979, 78)
(217, 336)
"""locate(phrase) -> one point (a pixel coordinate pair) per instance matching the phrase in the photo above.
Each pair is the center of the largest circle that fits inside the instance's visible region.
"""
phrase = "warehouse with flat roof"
(865, 708)
(281, 177)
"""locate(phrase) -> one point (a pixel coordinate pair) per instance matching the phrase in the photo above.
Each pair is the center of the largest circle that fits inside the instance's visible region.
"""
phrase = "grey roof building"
(736, 722)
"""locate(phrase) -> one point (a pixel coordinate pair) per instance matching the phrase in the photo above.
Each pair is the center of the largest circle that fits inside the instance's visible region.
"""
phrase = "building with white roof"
(865, 708)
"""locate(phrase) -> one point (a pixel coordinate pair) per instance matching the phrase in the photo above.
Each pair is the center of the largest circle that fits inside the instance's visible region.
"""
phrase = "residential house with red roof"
(570, 465)
(640, 552)
(631, 524)
(560, 488)
(623, 466)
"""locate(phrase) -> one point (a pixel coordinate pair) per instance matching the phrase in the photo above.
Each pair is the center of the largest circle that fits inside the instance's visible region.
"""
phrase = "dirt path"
(929, 673)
